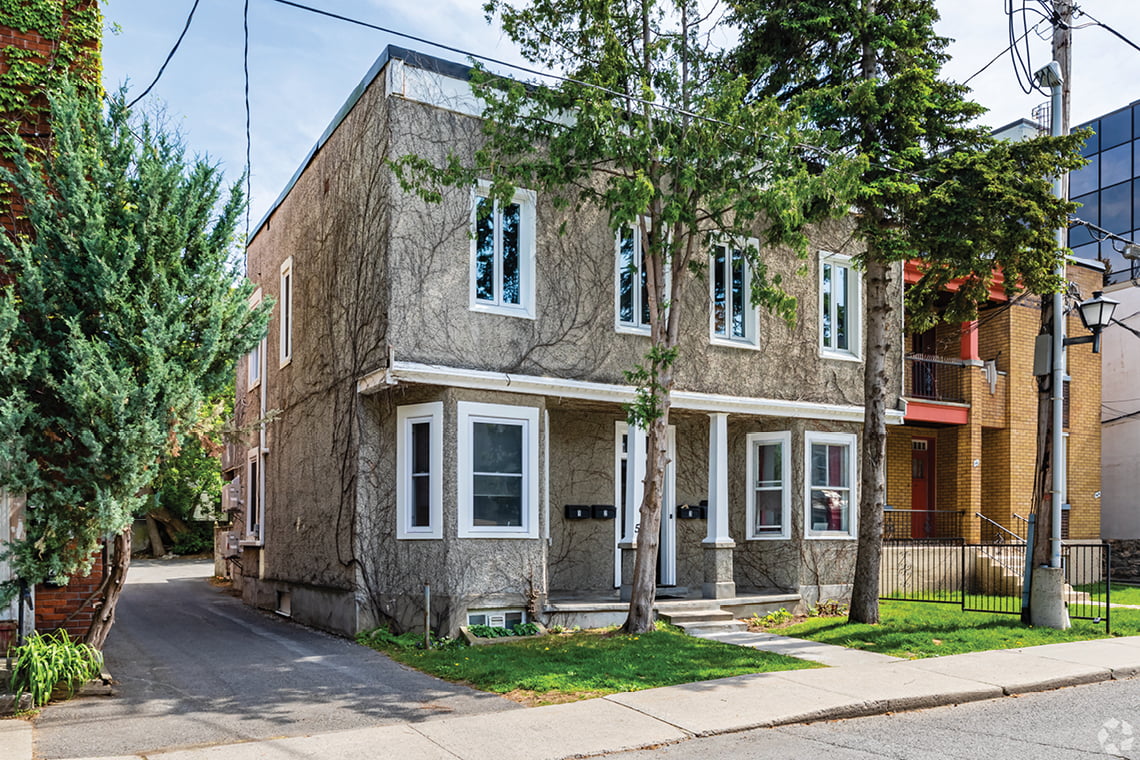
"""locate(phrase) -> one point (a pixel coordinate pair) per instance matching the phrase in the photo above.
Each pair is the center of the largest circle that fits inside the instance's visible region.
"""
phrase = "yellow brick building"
(968, 446)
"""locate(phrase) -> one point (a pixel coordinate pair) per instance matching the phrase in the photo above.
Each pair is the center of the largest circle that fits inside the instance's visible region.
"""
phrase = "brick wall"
(67, 606)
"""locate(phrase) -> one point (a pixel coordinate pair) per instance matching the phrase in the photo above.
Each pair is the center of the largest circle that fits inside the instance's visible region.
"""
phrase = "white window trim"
(406, 416)
(852, 442)
(255, 359)
(470, 412)
(254, 485)
(751, 339)
(527, 200)
(854, 309)
(636, 327)
(287, 316)
(784, 438)
(497, 611)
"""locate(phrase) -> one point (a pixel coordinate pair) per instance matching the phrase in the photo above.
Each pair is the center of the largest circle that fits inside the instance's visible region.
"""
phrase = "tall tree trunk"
(156, 547)
(114, 575)
(872, 470)
(643, 592)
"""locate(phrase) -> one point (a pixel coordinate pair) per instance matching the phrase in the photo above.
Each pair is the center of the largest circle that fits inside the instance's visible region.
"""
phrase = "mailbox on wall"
(603, 511)
(577, 511)
(686, 512)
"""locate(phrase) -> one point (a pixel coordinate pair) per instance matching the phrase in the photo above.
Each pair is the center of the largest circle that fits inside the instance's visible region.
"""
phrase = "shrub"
(45, 661)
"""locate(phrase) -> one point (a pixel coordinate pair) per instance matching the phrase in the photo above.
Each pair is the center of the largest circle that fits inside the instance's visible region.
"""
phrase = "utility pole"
(1047, 606)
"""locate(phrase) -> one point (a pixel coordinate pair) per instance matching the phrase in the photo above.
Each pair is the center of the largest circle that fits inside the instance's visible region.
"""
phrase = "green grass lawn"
(566, 667)
(1121, 594)
(920, 629)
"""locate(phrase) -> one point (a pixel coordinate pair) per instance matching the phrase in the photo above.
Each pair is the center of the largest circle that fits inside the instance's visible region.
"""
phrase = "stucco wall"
(573, 334)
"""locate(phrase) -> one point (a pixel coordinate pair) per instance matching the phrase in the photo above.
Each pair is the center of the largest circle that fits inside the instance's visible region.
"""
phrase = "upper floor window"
(769, 496)
(839, 305)
(502, 253)
(257, 353)
(419, 471)
(286, 304)
(733, 316)
(498, 470)
(632, 281)
(830, 510)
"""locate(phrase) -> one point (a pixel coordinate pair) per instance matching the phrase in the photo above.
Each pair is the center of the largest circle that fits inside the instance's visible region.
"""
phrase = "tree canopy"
(123, 310)
(937, 188)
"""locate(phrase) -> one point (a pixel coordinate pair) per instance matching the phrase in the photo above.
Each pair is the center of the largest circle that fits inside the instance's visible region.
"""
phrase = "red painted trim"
(912, 273)
(970, 340)
(929, 411)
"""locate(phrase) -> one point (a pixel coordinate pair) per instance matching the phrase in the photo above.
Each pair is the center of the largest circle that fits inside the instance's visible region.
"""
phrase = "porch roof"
(459, 377)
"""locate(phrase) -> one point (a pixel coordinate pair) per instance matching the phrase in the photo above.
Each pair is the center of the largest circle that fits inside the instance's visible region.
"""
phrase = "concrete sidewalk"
(677, 713)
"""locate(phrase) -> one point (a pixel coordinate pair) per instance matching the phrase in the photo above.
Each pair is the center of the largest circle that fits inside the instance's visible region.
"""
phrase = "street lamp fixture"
(1096, 314)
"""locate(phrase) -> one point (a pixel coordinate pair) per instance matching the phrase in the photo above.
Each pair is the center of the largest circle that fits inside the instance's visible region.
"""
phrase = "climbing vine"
(56, 39)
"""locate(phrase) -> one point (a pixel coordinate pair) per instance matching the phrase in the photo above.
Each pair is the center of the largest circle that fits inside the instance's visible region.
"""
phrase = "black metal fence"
(988, 577)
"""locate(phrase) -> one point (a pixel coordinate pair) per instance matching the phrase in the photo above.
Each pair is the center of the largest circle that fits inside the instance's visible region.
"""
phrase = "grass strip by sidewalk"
(923, 629)
(584, 664)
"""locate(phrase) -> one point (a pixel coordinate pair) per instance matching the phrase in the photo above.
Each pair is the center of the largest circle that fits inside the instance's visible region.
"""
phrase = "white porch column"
(634, 492)
(718, 479)
(718, 544)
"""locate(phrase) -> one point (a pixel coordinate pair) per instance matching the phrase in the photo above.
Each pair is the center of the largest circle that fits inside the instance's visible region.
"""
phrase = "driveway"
(195, 666)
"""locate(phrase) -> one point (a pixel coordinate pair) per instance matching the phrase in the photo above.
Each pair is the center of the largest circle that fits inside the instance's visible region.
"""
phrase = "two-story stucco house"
(446, 389)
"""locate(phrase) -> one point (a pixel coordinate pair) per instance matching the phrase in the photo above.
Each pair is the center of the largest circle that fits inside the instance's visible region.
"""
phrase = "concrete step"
(688, 617)
(713, 627)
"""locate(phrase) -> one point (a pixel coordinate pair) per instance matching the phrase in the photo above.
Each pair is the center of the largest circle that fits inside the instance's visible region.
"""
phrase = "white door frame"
(667, 548)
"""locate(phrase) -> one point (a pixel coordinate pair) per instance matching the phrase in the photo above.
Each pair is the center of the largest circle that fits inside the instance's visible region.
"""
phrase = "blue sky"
(303, 66)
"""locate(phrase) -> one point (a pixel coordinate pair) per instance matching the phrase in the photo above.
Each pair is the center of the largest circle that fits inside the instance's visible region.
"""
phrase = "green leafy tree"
(651, 131)
(123, 311)
(937, 188)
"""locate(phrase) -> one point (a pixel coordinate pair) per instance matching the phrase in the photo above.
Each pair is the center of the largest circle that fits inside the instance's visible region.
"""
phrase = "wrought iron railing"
(899, 524)
(935, 378)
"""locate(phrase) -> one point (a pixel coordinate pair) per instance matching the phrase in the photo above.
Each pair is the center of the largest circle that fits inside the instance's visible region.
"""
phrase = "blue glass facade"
(1108, 189)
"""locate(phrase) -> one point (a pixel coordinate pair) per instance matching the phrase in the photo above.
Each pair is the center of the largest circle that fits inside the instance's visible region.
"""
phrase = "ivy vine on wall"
(49, 39)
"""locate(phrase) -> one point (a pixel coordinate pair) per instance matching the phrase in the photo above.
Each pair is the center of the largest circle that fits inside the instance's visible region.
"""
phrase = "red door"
(922, 488)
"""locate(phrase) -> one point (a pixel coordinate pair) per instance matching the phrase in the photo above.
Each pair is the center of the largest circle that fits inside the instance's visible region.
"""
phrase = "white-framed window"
(255, 358)
(285, 303)
(830, 499)
(496, 618)
(840, 306)
(419, 471)
(502, 253)
(733, 318)
(631, 281)
(254, 497)
(769, 496)
(498, 470)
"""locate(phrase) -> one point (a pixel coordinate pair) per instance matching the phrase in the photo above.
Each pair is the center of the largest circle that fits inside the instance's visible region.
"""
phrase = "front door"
(922, 488)
(627, 496)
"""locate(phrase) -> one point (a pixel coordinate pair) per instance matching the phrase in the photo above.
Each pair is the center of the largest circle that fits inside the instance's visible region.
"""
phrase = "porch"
(674, 604)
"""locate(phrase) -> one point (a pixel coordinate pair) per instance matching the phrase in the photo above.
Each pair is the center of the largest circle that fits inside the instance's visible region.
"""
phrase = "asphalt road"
(195, 666)
(1095, 721)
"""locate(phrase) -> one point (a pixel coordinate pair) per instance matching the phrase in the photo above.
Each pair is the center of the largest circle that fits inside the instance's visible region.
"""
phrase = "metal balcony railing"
(935, 378)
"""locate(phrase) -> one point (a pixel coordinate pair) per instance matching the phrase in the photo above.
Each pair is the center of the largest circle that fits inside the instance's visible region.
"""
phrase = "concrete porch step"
(682, 618)
(709, 628)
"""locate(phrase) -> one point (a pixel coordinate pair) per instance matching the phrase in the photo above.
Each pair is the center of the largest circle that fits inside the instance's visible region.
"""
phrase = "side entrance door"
(922, 488)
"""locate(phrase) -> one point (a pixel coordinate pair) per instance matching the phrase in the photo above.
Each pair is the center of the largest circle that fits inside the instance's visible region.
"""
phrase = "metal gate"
(989, 577)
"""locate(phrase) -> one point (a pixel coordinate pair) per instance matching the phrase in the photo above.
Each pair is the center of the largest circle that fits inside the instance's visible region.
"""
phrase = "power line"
(173, 50)
(999, 55)
(248, 130)
(1108, 28)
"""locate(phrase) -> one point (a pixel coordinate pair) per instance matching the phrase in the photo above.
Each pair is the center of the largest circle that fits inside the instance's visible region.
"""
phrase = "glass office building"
(1108, 189)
